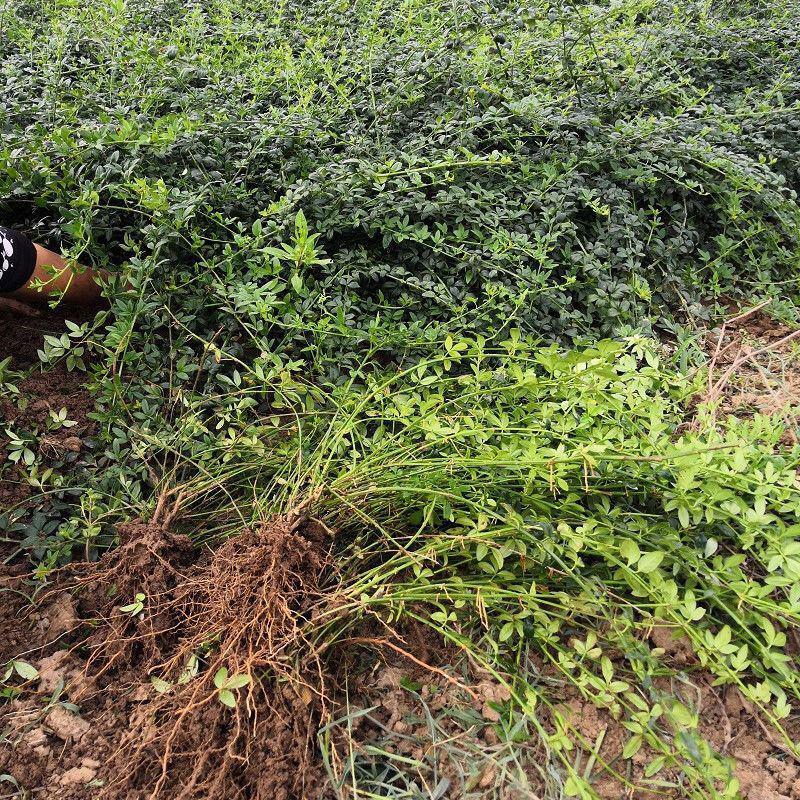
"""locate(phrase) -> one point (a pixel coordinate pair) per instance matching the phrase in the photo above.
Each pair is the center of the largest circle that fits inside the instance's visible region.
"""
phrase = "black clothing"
(17, 259)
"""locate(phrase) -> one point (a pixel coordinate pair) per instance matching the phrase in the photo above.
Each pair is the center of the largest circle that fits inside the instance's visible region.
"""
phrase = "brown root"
(205, 686)
(149, 563)
(239, 614)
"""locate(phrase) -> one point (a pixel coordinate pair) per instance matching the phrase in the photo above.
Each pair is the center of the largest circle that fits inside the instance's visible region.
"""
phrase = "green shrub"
(336, 231)
(577, 169)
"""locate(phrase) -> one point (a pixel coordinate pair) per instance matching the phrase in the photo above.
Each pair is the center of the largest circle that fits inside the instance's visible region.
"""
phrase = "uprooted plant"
(539, 511)
(528, 507)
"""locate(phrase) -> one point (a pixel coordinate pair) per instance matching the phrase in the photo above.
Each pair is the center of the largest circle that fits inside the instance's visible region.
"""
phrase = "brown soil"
(93, 725)
(403, 712)
(765, 768)
(21, 335)
(110, 733)
(754, 362)
(408, 720)
(40, 393)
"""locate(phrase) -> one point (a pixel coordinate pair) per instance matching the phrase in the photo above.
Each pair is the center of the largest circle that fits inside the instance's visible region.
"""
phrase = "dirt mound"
(30, 628)
(144, 569)
(206, 686)
(14, 602)
(182, 677)
(411, 726)
(51, 747)
(245, 722)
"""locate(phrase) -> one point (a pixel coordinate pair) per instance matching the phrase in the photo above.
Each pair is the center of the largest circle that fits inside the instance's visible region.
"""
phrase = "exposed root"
(149, 560)
(195, 671)
(241, 614)
(149, 563)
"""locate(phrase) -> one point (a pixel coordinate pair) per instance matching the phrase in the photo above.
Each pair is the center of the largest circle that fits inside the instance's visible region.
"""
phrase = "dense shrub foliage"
(575, 169)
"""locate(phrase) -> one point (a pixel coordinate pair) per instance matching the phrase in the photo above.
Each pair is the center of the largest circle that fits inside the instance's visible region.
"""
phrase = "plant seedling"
(226, 684)
(25, 670)
(136, 607)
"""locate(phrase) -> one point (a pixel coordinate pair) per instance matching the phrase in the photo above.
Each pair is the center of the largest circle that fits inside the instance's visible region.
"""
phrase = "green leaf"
(629, 550)
(574, 786)
(160, 685)
(682, 716)
(226, 697)
(190, 669)
(300, 225)
(281, 255)
(25, 670)
(654, 766)
(632, 747)
(221, 677)
(650, 561)
(237, 681)
(136, 606)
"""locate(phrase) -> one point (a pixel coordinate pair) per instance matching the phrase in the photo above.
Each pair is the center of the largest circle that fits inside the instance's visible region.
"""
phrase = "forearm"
(52, 274)
(30, 272)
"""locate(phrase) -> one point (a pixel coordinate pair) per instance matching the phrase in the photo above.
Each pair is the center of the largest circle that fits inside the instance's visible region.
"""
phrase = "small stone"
(77, 776)
(66, 725)
(488, 777)
(490, 736)
(142, 693)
